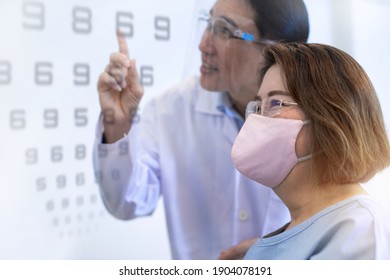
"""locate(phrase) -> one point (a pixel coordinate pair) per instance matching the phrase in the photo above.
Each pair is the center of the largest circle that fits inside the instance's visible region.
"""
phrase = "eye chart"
(51, 55)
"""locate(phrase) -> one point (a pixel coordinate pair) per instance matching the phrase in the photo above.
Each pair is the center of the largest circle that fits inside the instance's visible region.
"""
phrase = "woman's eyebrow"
(277, 92)
(272, 93)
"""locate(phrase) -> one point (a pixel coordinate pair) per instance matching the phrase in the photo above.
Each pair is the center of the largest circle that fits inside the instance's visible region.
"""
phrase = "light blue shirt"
(351, 229)
(181, 150)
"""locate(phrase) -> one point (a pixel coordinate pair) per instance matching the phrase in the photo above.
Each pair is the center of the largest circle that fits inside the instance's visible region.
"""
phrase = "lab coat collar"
(209, 102)
(220, 104)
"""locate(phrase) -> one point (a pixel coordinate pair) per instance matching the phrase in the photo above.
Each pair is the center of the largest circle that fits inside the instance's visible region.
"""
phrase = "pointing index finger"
(122, 44)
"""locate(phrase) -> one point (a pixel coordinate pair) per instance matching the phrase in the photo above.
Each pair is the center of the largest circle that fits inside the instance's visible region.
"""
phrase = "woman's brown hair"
(349, 140)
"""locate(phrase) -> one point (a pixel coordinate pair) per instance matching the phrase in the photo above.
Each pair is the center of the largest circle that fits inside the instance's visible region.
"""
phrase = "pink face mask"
(264, 150)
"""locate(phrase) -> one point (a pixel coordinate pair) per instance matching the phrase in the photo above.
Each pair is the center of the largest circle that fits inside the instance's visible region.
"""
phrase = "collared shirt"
(350, 229)
(180, 150)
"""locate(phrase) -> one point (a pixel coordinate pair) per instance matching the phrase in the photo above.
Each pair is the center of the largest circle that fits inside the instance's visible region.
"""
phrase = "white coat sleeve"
(127, 171)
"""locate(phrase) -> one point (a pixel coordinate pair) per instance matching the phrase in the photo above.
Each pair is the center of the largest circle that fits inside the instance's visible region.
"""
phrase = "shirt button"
(243, 215)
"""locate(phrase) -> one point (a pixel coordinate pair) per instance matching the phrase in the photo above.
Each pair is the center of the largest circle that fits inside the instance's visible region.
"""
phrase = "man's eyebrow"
(229, 20)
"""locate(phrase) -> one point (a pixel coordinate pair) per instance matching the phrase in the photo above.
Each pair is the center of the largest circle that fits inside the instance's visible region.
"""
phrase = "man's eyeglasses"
(270, 107)
(222, 29)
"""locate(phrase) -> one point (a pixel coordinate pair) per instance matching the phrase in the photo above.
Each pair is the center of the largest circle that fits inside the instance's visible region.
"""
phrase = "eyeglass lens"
(268, 107)
(220, 28)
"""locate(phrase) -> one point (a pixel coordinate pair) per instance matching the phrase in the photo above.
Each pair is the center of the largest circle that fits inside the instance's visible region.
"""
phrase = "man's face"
(230, 64)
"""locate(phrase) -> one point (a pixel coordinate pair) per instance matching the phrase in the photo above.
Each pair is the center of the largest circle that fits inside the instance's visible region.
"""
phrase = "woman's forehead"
(273, 81)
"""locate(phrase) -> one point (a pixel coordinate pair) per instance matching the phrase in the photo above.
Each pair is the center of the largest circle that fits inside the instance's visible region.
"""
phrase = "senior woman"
(313, 135)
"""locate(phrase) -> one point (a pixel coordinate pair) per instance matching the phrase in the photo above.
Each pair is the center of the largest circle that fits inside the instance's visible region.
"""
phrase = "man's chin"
(207, 84)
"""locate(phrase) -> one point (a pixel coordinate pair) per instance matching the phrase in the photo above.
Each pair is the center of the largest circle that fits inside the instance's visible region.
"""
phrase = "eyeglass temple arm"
(238, 34)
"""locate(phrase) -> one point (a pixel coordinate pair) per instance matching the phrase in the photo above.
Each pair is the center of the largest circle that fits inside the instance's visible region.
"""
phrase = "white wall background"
(51, 54)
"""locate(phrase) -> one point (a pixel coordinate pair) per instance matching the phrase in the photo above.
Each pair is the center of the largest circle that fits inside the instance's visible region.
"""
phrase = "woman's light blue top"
(351, 229)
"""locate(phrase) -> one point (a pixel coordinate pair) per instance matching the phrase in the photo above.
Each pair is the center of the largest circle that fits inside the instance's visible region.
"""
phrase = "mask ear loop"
(306, 122)
(305, 158)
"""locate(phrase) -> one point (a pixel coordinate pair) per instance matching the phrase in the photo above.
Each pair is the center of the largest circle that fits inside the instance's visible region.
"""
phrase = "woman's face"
(273, 87)
(228, 64)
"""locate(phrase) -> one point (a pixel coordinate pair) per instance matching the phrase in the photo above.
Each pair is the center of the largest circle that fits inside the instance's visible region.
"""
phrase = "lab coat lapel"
(218, 104)
(230, 129)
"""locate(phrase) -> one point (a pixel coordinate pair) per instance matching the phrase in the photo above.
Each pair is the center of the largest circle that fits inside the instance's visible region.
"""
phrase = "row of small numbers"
(34, 15)
(43, 73)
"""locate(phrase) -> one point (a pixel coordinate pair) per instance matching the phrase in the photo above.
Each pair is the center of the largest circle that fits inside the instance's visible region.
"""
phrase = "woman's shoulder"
(353, 229)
